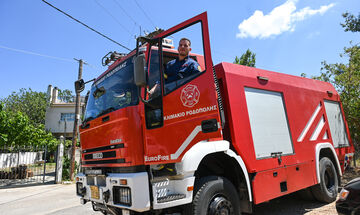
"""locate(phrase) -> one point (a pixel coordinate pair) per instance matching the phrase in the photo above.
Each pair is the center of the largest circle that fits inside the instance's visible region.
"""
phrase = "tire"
(215, 195)
(327, 190)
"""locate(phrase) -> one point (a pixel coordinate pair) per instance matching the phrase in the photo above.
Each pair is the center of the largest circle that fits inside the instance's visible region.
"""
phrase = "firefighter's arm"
(152, 92)
(196, 67)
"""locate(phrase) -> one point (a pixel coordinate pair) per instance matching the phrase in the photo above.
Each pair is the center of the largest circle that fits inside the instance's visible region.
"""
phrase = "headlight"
(343, 194)
(80, 189)
(122, 195)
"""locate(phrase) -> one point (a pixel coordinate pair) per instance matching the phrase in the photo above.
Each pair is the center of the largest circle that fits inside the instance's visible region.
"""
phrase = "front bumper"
(112, 191)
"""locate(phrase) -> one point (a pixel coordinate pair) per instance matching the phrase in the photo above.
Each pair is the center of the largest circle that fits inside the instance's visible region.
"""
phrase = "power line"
(125, 12)
(86, 25)
(43, 55)
(145, 13)
(37, 54)
(132, 30)
(117, 21)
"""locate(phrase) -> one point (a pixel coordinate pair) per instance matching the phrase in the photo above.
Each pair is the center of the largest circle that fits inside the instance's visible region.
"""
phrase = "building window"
(67, 117)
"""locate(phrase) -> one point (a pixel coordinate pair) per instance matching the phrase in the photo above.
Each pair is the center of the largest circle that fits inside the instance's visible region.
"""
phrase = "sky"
(38, 44)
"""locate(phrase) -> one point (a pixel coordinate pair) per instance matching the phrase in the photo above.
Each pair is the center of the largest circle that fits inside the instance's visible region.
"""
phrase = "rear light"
(122, 195)
(343, 194)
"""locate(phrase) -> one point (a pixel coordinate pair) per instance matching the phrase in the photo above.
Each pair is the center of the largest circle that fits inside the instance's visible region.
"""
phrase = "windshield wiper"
(110, 109)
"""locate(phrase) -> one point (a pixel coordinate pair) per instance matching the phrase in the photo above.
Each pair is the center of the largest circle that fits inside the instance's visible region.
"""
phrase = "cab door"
(186, 111)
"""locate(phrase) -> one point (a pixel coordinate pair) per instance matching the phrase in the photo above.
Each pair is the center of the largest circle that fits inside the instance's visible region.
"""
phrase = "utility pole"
(76, 122)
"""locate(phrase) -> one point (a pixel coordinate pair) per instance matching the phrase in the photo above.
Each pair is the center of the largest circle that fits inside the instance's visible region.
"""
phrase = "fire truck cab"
(218, 141)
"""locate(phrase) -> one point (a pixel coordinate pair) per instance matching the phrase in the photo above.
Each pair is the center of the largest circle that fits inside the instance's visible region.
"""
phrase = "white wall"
(52, 119)
(14, 159)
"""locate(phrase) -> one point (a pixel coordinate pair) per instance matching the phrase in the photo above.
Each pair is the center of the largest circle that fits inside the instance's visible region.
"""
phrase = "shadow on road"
(290, 204)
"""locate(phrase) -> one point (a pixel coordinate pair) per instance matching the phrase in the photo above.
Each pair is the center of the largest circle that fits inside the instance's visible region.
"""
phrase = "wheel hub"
(220, 206)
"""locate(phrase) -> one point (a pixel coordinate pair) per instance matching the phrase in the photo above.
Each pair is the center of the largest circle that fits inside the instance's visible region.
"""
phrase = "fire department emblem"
(190, 95)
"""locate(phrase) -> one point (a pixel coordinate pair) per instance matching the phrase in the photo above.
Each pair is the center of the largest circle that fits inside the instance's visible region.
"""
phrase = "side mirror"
(79, 85)
(139, 71)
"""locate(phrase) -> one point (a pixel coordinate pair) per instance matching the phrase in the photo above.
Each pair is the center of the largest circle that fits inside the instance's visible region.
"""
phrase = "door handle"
(208, 126)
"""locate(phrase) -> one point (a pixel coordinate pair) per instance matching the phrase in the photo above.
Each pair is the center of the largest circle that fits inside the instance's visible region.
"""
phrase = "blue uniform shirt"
(177, 69)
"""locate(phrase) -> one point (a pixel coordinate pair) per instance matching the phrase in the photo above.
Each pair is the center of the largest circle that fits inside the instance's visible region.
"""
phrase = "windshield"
(115, 90)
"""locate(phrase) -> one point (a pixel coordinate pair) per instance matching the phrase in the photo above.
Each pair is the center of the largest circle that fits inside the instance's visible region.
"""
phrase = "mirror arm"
(143, 40)
(90, 80)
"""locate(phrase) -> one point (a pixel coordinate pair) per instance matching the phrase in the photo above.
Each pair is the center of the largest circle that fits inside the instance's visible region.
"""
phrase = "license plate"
(97, 155)
(95, 192)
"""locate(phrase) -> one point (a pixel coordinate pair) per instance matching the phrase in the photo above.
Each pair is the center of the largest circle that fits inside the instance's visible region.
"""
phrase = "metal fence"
(25, 165)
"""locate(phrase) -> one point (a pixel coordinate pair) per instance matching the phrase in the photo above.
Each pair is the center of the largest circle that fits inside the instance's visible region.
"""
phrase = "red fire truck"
(216, 142)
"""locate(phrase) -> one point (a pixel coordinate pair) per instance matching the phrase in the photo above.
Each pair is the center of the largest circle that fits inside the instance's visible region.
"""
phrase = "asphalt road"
(42, 200)
(61, 200)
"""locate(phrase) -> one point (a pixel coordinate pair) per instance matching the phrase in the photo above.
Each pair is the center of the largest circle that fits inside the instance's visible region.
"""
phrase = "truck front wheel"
(216, 195)
(327, 189)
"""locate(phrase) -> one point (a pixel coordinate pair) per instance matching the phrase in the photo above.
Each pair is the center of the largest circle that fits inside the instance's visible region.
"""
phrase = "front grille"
(107, 170)
(103, 148)
(110, 154)
(171, 197)
(90, 180)
(122, 195)
(122, 160)
(101, 181)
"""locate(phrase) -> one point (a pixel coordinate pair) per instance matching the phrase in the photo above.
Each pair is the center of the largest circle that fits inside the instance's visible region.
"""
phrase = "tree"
(17, 130)
(344, 76)
(246, 59)
(352, 23)
(32, 104)
(346, 79)
(66, 95)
